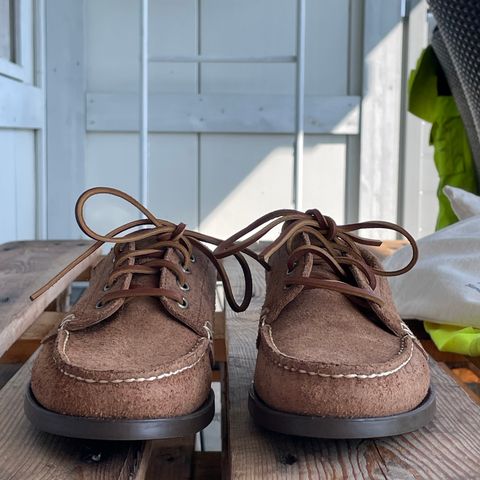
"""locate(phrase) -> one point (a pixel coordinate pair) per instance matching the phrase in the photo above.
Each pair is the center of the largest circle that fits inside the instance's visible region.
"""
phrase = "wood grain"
(26, 453)
(207, 466)
(26, 345)
(171, 459)
(449, 448)
(222, 113)
(26, 266)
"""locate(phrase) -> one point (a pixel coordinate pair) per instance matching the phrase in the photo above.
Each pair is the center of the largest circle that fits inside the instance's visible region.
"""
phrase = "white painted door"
(21, 119)
(217, 174)
(221, 136)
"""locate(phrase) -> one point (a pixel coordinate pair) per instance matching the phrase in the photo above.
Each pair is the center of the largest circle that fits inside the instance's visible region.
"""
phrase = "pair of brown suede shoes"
(133, 358)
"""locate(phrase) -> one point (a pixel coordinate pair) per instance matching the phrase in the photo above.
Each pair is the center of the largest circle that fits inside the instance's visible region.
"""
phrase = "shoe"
(132, 359)
(334, 358)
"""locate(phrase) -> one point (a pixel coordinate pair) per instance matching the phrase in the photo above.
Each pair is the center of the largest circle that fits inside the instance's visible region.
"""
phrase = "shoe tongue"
(277, 297)
(201, 294)
(321, 268)
(144, 280)
(193, 316)
(85, 313)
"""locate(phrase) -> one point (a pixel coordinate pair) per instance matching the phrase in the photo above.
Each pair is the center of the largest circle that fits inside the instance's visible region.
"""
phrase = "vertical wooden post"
(41, 134)
(65, 93)
(381, 110)
(143, 100)
(299, 106)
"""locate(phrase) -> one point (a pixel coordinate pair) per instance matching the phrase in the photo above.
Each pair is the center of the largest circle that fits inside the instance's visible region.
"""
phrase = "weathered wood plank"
(457, 378)
(26, 266)
(206, 466)
(26, 453)
(26, 345)
(221, 113)
(7, 371)
(449, 448)
(171, 459)
(219, 339)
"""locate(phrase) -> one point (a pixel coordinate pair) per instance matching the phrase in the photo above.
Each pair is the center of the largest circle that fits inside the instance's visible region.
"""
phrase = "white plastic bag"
(444, 286)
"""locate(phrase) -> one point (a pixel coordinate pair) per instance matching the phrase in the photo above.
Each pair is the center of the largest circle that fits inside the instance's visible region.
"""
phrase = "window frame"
(16, 70)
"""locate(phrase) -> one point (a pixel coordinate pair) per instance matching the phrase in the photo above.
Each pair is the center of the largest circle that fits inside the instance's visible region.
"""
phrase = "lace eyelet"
(106, 287)
(184, 303)
(193, 259)
(185, 287)
(186, 270)
(290, 271)
(100, 304)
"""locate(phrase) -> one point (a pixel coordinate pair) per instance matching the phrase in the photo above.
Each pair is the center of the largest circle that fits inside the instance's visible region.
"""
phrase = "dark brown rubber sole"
(117, 429)
(340, 428)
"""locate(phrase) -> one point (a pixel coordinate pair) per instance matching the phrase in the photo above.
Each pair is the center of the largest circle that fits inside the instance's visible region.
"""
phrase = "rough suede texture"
(89, 372)
(321, 333)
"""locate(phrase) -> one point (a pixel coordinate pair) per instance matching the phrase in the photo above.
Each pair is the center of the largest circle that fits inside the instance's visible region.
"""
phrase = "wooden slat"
(219, 339)
(7, 371)
(26, 453)
(171, 459)
(223, 113)
(26, 345)
(449, 448)
(26, 266)
(206, 466)
(457, 377)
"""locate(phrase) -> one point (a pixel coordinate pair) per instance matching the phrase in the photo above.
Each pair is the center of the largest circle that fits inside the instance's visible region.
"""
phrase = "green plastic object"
(452, 338)
(431, 100)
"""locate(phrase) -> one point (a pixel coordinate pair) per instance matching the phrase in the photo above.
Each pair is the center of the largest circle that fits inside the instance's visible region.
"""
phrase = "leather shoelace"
(163, 235)
(330, 243)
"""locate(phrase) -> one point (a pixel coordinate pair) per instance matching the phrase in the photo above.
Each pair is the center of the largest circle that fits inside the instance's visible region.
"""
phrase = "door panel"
(239, 176)
(18, 144)
(112, 159)
(17, 185)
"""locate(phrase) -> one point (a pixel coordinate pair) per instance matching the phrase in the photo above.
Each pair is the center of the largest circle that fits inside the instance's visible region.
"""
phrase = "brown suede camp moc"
(334, 358)
(132, 359)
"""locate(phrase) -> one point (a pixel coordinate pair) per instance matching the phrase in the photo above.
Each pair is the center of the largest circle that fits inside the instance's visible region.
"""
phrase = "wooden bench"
(27, 454)
(449, 448)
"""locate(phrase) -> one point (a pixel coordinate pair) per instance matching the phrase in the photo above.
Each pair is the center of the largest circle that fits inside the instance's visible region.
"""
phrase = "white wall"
(213, 181)
(218, 182)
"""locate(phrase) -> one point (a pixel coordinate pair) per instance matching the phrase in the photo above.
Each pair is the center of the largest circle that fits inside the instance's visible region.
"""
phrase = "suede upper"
(144, 357)
(323, 353)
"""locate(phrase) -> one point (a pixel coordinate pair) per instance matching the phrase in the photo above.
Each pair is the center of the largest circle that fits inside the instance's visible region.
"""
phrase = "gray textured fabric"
(457, 45)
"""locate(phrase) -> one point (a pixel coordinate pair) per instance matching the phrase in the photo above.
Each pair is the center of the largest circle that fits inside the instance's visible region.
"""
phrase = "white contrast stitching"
(407, 330)
(208, 329)
(133, 379)
(67, 336)
(360, 376)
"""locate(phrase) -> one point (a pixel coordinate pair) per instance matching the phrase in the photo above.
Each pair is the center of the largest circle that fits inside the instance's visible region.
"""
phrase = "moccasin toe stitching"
(178, 389)
(315, 388)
